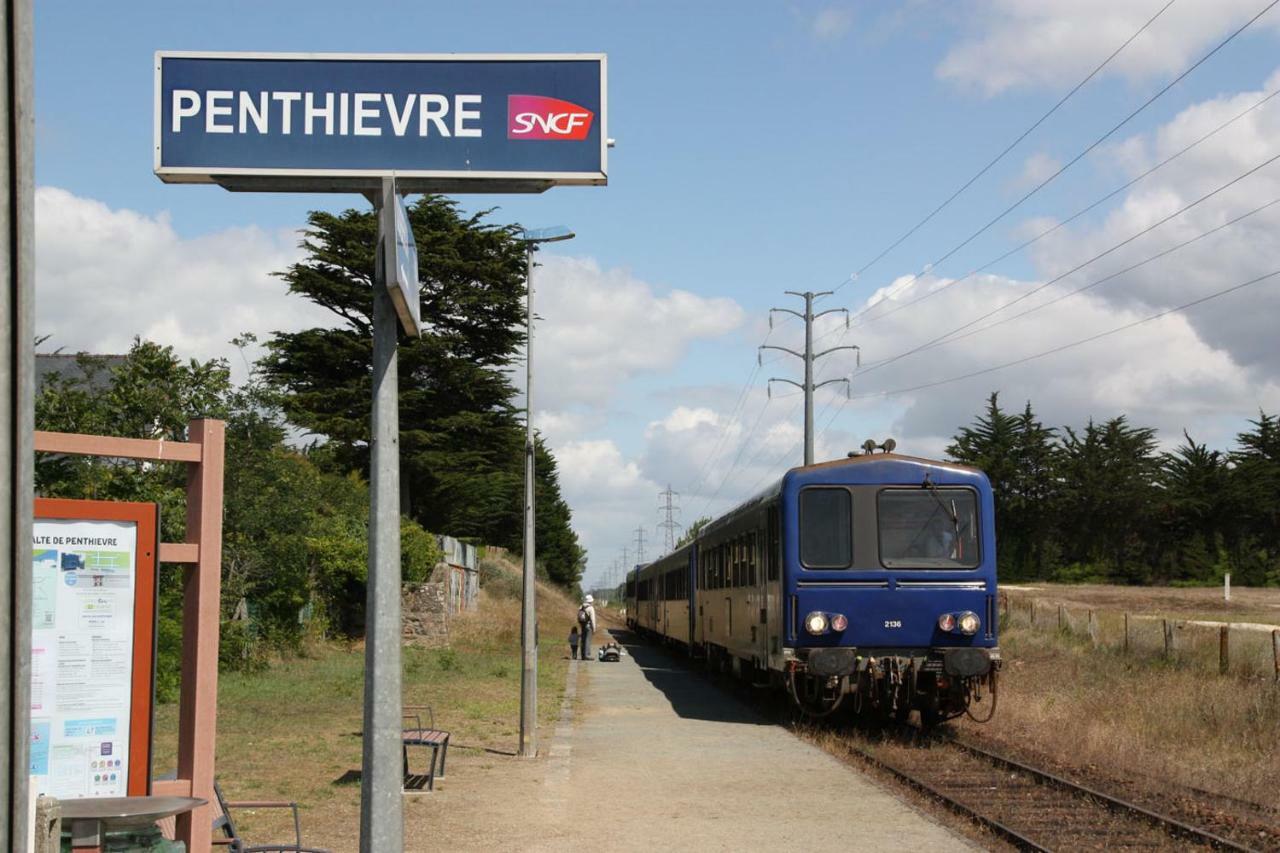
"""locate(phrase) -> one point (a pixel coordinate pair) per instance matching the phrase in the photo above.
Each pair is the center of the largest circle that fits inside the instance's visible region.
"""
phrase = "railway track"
(1028, 807)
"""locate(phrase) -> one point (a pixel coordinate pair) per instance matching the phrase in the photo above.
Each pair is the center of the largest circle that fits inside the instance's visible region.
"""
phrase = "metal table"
(92, 816)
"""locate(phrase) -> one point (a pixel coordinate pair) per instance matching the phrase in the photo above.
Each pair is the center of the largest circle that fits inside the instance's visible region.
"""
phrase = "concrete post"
(17, 357)
(381, 797)
(48, 827)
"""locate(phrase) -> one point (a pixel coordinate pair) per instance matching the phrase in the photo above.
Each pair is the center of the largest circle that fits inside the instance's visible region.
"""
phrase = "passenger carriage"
(869, 579)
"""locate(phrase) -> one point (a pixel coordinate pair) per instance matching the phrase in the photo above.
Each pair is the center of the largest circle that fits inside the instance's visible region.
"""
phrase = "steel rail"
(1171, 825)
(1005, 832)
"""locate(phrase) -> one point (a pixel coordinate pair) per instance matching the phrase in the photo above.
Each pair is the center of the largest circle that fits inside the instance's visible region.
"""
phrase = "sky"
(761, 147)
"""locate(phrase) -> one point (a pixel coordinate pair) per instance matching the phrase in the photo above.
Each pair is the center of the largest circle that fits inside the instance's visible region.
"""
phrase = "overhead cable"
(1014, 143)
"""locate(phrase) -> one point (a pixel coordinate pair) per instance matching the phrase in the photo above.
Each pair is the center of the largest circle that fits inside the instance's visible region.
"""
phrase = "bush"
(498, 580)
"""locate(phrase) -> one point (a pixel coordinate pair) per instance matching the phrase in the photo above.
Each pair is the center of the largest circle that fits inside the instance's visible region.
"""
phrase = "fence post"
(1224, 649)
(1275, 652)
(1062, 617)
(1032, 611)
(1168, 637)
(1093, 629)
(1126, 633)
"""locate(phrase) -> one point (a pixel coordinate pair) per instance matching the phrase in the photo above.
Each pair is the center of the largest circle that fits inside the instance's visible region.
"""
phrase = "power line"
(1033, 291)
(737, 458)
(640, 544)
(1015, 142)
(1073, 344)
(1079, 213)
(1078, 157)
(1090, 286)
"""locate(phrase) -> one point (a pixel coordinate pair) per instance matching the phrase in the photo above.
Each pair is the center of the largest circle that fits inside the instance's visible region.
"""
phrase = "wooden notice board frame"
(146, 517)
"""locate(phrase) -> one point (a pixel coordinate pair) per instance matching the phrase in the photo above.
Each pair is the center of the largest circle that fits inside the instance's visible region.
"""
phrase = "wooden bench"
(428, 737)
(230, 837)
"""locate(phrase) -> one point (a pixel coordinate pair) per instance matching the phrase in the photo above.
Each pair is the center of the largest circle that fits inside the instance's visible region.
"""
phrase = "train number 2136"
(893, 623)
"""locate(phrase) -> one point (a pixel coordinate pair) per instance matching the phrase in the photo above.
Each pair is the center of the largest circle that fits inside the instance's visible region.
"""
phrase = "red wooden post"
(201, 612)
(201, 608)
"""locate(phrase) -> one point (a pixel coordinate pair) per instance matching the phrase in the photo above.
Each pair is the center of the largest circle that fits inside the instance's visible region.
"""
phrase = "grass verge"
(293, 732)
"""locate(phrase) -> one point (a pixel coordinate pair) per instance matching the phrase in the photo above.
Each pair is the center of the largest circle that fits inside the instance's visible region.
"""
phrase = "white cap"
(588, 599)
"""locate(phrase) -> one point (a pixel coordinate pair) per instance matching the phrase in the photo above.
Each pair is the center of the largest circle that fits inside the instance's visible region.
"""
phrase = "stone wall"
(424, 613)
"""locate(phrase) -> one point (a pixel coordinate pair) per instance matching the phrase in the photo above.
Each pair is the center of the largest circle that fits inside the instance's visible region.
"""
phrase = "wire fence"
(1244, 651)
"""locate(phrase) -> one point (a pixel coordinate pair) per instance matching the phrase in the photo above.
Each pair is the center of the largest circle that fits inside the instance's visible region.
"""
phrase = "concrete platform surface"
(661, 759)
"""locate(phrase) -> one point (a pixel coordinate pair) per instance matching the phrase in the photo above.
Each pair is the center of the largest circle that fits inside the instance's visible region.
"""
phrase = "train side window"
(771, 546)
(753, 556)
(826, 528)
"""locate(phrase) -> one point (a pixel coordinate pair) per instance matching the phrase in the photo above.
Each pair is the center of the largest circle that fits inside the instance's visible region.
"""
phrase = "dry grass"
(1248, 604)
(293, 732)
(1140, 719)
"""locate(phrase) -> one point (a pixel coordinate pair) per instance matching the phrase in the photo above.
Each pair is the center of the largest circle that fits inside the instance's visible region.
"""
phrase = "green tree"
(1255, 481)
(1108, 476)
(991, 444)
(1196, 509)
(691, 532)
(461, 442)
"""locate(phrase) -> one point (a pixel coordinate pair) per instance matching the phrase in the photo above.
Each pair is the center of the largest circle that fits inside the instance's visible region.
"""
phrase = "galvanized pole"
(17, 358)
(808, 378)
(809, 357)
(528, 609)
(381, 803)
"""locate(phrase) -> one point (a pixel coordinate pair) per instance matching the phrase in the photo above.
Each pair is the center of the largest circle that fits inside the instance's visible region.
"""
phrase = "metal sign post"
(381, 809)
(382, 124)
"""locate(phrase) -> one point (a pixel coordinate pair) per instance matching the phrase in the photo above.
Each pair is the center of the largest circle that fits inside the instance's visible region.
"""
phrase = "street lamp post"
(528, 614)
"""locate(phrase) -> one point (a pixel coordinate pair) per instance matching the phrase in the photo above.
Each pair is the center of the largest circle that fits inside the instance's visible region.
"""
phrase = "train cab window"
(928, 528)
(826, 528)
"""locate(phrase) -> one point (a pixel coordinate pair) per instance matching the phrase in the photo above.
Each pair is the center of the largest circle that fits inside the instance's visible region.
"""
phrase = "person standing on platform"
(573, 641)
(586, 627)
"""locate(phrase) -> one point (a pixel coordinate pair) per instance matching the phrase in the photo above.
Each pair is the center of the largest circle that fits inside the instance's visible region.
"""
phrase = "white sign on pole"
(402, 269)
(84, 576)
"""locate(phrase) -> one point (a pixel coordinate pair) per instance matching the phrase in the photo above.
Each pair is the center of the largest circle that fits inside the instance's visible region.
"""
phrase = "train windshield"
(826, 528)
(928, 528)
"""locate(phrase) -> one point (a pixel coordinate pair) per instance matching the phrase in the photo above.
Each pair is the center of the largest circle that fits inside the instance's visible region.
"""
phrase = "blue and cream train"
(869, 581)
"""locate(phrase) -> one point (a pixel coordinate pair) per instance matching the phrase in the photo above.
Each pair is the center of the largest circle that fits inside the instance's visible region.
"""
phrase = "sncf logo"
(536, 117)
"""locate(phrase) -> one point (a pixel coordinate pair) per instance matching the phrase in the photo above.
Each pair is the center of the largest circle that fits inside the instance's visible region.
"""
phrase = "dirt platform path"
(660, 759)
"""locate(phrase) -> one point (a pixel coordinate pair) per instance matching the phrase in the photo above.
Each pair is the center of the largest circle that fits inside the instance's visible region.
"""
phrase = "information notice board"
(92, 647)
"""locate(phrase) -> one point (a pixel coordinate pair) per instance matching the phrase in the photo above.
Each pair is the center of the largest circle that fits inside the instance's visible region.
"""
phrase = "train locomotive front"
(888, 587)
(866, 583)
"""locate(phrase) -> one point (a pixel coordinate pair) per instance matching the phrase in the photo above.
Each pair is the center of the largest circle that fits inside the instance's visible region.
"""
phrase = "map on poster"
(83, 584)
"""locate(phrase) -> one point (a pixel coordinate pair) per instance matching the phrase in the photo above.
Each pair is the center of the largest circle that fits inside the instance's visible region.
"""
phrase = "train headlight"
(969, 623)
(839, 622)
(947, 622)
(816, 623)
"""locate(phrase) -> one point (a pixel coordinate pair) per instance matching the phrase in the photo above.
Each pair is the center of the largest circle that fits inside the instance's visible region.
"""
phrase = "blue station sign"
(332, 122)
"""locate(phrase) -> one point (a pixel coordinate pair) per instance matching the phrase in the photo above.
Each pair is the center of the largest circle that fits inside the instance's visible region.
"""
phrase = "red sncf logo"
(536, 117)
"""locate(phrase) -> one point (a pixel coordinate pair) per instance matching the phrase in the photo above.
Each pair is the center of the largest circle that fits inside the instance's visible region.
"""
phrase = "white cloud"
(1035, 170)
(599, 328)
(104, 275)
(1018, 44)
(831, 23)
(1240, 325)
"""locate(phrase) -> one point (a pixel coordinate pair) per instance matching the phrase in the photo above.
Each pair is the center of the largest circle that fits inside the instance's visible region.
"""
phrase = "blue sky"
(762, 147)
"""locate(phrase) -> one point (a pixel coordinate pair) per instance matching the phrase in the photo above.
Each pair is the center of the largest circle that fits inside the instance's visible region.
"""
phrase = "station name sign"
(326, 122)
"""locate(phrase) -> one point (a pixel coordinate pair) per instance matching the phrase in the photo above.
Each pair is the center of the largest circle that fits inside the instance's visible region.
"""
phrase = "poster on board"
(92, 647)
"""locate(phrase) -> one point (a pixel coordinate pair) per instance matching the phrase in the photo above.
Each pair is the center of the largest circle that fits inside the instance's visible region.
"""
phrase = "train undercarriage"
(889, 684)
